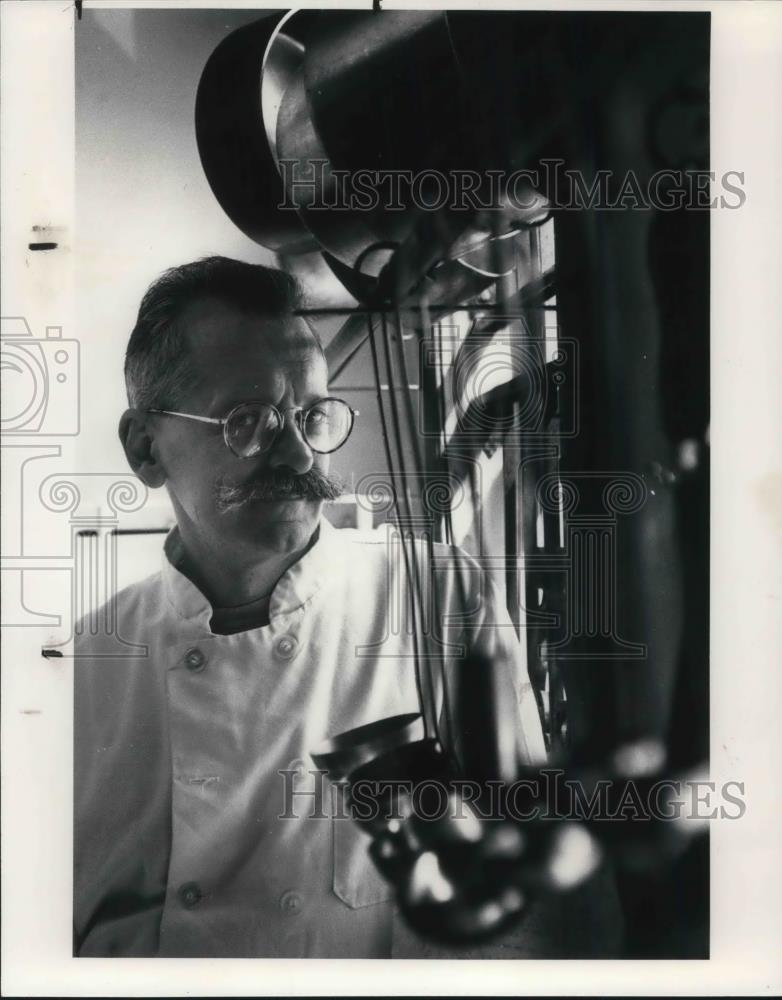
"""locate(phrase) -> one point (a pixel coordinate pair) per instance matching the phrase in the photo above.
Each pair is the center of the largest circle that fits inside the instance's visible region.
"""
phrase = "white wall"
(143, 204)
(142, 200)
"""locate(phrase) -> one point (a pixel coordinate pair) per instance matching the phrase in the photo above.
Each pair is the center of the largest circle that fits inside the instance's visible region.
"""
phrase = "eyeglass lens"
(253, 427)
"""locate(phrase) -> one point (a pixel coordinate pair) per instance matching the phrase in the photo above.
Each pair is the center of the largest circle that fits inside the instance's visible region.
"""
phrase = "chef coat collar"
(294, 588)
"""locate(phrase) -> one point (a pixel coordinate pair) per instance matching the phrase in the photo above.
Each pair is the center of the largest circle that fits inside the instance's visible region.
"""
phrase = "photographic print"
(358, 413)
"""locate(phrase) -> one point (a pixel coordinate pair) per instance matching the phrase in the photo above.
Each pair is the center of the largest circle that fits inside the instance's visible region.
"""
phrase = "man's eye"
(316, 417)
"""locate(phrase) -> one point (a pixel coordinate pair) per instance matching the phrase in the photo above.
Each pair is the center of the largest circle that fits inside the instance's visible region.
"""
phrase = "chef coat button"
(290, 903)
(286, 647)
(195, 660)
(190, 894)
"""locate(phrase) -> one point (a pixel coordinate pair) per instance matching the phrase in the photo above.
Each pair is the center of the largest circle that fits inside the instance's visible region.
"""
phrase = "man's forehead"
(213, 326)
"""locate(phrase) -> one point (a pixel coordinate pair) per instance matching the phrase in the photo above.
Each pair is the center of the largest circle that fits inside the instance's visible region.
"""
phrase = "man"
(265, 632)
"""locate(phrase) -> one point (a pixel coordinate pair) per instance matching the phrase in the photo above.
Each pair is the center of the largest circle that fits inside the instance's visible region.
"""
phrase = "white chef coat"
(179, 848)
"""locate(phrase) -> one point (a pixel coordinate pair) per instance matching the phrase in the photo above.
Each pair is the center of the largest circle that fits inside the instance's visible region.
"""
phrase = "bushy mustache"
(279, 484)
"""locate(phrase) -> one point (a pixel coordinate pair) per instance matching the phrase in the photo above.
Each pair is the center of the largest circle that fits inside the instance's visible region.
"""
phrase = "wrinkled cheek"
(198, 499)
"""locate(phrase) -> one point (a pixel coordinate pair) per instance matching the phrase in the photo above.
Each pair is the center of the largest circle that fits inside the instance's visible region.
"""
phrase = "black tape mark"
(49, 654)
(42, 246)
(139, 531)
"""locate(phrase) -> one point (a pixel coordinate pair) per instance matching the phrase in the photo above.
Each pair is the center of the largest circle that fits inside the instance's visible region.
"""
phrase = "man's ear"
(138, 439)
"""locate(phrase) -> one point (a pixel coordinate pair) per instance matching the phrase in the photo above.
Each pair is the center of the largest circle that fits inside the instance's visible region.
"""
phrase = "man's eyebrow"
(309, 400)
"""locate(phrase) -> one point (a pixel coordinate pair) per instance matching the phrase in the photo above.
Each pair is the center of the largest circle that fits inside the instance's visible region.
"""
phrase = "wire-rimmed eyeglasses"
(252, 428)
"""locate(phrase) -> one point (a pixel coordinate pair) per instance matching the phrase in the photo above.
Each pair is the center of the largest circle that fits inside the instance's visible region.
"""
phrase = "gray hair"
(157, 369)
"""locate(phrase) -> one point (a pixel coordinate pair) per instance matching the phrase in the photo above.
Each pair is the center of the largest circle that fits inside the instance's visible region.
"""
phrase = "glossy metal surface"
(343, 754)
(232, 142)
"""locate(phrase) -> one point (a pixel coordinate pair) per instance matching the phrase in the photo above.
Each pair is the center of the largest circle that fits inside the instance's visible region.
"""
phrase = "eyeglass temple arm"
(190, 416)
(216, 420)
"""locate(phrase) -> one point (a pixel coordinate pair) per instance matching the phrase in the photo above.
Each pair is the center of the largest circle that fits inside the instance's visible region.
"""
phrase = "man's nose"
(290, 449)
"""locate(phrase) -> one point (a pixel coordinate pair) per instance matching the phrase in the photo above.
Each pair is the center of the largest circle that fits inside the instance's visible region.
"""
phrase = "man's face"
(237, 357)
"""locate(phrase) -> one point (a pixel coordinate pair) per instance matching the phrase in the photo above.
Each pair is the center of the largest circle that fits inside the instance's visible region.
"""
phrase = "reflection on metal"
(604, 471)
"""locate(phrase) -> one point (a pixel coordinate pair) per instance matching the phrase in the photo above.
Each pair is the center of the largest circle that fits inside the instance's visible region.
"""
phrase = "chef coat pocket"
(356, 880)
